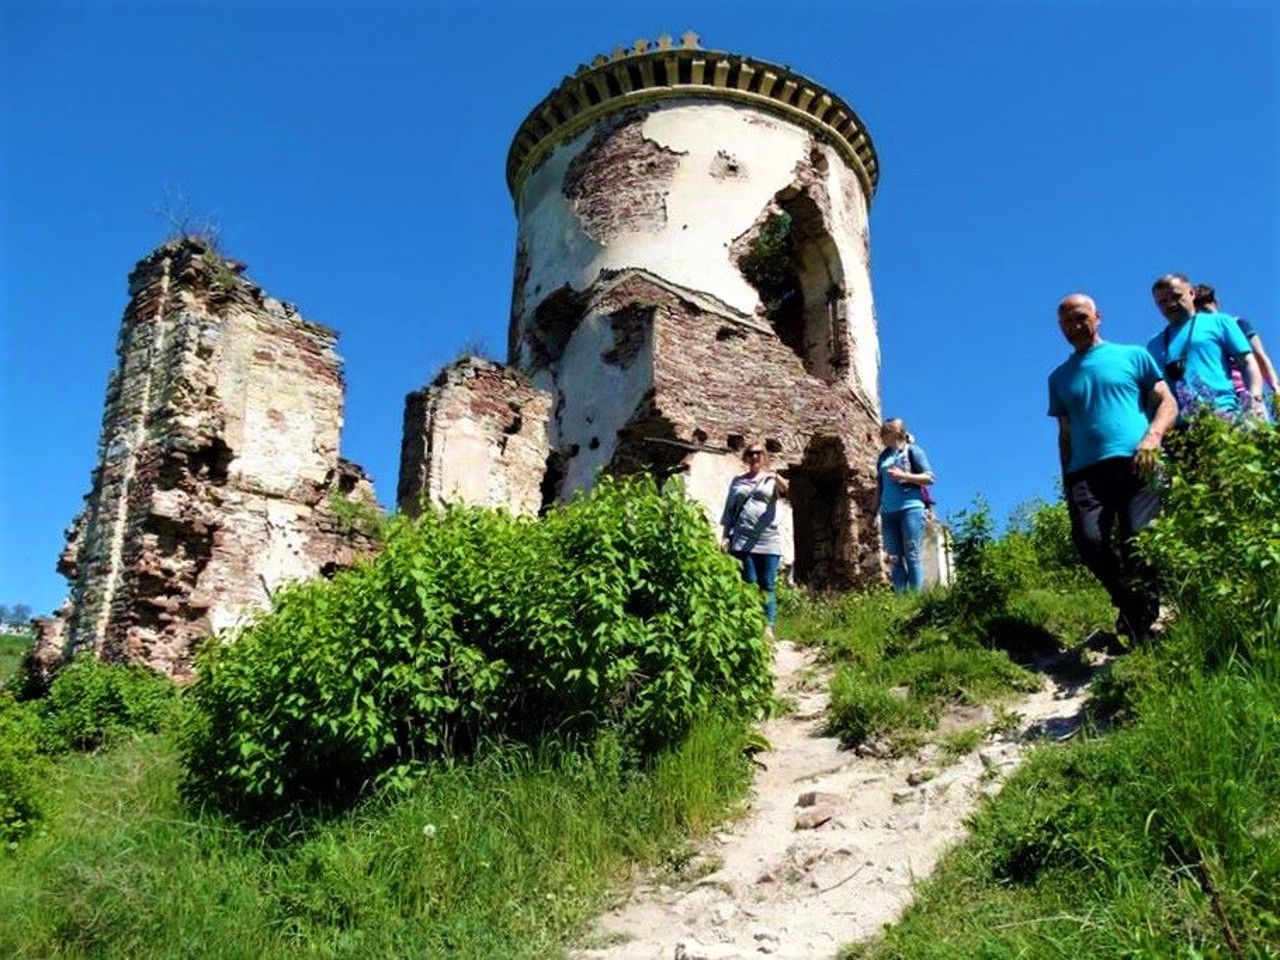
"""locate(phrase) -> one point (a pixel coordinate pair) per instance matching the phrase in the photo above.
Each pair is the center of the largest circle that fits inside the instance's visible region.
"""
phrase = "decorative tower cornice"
(649, 71)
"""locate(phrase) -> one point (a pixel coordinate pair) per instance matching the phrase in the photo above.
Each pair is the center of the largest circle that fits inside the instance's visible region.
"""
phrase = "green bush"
(90, 702)
(1216, 542)
(20, 769)
(617, 611)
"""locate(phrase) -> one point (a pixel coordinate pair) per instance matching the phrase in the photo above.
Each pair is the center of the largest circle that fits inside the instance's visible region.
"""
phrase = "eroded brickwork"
(718, 379)
(619, 183)
(692, 271)
(478, 434)
(218, 467)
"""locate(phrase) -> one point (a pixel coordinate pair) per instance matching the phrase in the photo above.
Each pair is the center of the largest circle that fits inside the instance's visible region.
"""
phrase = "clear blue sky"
(353, 155)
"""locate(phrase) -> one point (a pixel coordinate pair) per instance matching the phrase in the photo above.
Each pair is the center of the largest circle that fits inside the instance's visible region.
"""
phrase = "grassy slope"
(501, 859)
(1160, 839)
(504, 858)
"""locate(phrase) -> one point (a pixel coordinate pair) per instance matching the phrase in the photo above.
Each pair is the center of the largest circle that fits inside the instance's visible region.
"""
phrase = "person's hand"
(1146, 460)
(897, 473)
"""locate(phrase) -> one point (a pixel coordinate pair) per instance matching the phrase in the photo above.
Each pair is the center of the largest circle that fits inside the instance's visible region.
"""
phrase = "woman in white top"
(750, 524)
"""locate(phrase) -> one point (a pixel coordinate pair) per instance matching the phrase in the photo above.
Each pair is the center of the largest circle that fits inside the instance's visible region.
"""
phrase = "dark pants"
(1109, 503)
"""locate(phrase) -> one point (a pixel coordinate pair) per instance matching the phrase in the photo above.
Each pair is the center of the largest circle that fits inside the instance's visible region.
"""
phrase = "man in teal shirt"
(1108, 447)
(1194, 348)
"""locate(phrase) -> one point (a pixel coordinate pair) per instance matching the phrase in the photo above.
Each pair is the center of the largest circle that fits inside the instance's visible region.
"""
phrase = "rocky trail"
(832, 840)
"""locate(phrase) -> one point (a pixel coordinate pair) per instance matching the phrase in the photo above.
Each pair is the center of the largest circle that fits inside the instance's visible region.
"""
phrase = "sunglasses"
(755, 453)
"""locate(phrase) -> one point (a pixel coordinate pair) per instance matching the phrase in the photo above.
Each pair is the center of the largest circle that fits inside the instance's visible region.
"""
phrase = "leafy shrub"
(89, 702)
(1216, 542)
(616, 611)
(20, 769)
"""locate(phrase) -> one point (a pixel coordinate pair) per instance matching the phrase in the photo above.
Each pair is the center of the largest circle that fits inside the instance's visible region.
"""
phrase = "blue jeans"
(903, 535)
(762, 570)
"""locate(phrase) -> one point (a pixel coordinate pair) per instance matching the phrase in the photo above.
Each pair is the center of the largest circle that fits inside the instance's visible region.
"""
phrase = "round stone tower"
(692, 271)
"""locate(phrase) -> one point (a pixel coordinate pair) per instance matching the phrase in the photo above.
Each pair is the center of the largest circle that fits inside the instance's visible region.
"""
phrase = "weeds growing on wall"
(615, 612)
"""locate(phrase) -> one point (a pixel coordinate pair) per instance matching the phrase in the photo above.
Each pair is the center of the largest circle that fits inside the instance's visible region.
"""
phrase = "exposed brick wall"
(710, 387)
(619, 182)
(218, 463)
(478, 434)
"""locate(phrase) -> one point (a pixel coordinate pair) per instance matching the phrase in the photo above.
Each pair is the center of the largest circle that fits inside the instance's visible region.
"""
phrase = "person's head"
(1175, 297)
(1078, 318)
(894, 432)
(755, 456)
(1206, 298)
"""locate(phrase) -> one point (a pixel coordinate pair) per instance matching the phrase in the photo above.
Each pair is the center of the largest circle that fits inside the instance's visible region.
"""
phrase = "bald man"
(1109, 447)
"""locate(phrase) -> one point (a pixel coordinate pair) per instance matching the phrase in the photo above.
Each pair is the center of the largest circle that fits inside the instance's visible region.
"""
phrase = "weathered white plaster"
(598, 398)
(851, 232)
(705, 214)
(282, 424)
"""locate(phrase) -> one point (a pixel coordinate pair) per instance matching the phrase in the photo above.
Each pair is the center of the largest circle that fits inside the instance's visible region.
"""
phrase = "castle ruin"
(218, 469)
(692, 271)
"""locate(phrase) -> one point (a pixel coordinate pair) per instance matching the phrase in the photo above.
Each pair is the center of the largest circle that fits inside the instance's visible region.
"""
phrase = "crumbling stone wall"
(218, 467)
(478, 434)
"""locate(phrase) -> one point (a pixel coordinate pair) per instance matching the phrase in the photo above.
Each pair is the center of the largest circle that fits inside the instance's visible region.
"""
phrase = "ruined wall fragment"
(217, 470)
(477, 435)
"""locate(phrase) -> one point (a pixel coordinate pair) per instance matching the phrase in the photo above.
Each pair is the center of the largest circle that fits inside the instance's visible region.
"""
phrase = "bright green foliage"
(503, 855)
(768, 265)
(617, 611)
(1216, 542)
(899, 662)
(1120, 847)
(90, 702)
(21, 769)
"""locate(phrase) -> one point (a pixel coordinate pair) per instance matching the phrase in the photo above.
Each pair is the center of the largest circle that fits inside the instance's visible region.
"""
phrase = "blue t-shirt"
(1206, 341)
(1103, 394)
(894, 495)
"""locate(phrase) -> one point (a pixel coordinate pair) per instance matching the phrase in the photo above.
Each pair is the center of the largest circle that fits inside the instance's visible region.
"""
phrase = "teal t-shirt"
(1207, 341)
(1103, 394)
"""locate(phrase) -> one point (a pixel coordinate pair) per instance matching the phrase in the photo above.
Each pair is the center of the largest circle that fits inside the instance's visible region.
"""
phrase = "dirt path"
(832, 841)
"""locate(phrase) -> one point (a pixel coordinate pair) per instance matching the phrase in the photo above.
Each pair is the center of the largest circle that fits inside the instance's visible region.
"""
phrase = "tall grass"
(1159, 840)
(502, 857)
(13, 647)
(1161, 837)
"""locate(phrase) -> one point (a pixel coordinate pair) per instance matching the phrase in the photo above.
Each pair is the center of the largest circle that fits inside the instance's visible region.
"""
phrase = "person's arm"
(780, 485)
(1252, 379)
(726, 515)
(915, 458)
(1166, 412)
(1064, 442)
(1265, 365)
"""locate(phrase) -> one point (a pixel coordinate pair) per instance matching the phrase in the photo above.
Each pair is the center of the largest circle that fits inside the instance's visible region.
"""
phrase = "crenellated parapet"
(652, 71)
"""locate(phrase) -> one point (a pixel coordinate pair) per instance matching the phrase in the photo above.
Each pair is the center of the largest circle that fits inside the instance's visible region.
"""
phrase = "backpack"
(925, 493)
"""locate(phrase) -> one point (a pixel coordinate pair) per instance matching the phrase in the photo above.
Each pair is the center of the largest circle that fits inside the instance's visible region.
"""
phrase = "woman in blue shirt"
(902, 473)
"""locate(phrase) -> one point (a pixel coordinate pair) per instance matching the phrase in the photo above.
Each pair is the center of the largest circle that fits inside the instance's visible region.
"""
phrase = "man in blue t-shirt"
(1194, 349)
(1109, 447)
